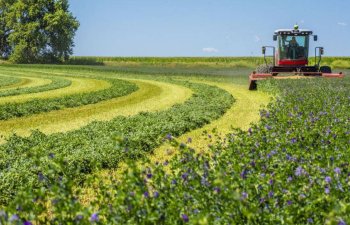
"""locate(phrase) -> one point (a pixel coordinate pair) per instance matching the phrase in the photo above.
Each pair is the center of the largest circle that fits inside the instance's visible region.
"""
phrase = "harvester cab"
(291, 56)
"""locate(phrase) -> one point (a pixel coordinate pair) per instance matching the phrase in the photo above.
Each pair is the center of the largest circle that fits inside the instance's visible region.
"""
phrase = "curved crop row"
(117, 88)
(151, 96)
(6, 81)
(99, 144)
(292, 168)
(55, 83)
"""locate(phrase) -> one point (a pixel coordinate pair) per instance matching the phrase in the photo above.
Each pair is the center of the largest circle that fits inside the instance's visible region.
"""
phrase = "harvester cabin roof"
(293, 32)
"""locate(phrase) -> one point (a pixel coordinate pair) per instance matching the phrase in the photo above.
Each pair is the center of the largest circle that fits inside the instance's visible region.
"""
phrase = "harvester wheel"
(263, 68)
(325, 69)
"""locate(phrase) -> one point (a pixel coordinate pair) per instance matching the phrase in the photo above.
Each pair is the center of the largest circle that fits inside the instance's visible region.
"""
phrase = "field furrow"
(151, 96)
(6, 81)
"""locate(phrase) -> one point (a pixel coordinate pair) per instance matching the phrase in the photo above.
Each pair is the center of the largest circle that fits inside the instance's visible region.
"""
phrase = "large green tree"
(36, 30)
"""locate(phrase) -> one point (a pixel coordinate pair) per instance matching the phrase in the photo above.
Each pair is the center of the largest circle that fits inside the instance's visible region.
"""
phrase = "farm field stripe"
(242, 113)
(79, 85)
(6, 81)
(151, 96)
(28, 82)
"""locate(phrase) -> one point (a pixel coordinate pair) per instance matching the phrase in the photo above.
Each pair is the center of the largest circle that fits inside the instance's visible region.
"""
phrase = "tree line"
(36, 31)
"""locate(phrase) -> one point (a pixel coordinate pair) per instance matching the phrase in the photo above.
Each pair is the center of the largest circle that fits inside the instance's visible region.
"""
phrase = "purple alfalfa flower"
(328, 179)
(271, 194)
(166, 163)
(244, 174)
(51, 155)
(244, 195)
(299, 171)
(310, 220)
(289, 179)
(79, 217)
(268, 127)
(184, 176)
(94, 218)
(41, 177)
(173, 182)
(293, 140)
(149, 175)
(250, 131)
(341, 222)
(169, 137)
(271, 182)
(14, 217)
(217, 190)
(27, 223)
(156, 194)
(327, 190)
(146, 194)
(337, 170)
(289, 202)
(185, 218)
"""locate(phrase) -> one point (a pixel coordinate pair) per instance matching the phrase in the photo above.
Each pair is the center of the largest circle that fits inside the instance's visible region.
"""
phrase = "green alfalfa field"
(172, 141)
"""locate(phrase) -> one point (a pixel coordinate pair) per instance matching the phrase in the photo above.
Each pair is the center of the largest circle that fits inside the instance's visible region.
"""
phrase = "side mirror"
(275, 37)
(315, 37)
(321, 51)
(263, 50)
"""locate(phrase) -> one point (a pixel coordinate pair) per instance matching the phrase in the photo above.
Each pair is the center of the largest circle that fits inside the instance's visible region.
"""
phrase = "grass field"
(171, 141)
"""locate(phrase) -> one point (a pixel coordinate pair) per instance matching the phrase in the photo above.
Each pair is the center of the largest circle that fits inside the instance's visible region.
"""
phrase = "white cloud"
(257, 38)
(210, 50)
(342, 24)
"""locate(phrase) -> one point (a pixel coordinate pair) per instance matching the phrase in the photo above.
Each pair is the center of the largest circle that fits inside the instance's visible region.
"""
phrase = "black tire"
(264, 68)
(325, 69)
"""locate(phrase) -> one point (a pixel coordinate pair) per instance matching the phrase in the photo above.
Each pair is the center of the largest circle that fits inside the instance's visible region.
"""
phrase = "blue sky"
(204, 27)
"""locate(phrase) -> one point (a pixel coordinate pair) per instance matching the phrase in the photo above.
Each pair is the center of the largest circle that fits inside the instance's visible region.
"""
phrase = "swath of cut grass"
(151, 96)
(79, 85)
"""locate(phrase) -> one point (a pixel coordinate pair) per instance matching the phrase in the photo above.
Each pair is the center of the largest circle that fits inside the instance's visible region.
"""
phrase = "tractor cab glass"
(293, 47)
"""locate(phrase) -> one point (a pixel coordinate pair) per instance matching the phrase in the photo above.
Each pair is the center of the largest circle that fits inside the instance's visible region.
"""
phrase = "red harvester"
(291, 57)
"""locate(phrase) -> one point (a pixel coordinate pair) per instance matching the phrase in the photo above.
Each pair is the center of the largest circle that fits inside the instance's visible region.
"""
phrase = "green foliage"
(290, 168)
(36, 31)
(105, 144)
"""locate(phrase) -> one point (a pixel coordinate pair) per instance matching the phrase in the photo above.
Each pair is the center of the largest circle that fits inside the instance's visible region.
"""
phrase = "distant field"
(195, 62)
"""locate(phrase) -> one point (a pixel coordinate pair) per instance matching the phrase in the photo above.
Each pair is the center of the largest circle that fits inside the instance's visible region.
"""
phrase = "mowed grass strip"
(78, 86)
(56, 83)
(6, 81)
(151, 96)
(243, 112)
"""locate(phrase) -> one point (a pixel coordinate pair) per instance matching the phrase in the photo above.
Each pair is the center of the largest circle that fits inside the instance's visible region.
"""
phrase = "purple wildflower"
(328, 179)
(51, 155)
(149, 175)
(337, 170)
(293, 140)
(289, 179)
(299, 171)
(310, 220)
(271, 182)
(184, 176)
(27, 223)
(341, 222)
(185, 218)
(173, 182)
(326, 190)
(271, 194)
(94, 217)
(217, 190)
(243, 174)
(289, 202)
(14, 217)
(169, 137)
(156, 194)
(268, 127)
(244, 195)
(146, 194)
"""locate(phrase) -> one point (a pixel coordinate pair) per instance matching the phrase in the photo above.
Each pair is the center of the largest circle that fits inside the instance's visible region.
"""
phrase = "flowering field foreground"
(290, 168)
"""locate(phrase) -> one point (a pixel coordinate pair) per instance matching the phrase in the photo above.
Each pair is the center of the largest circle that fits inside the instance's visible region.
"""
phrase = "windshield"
(293, 47)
